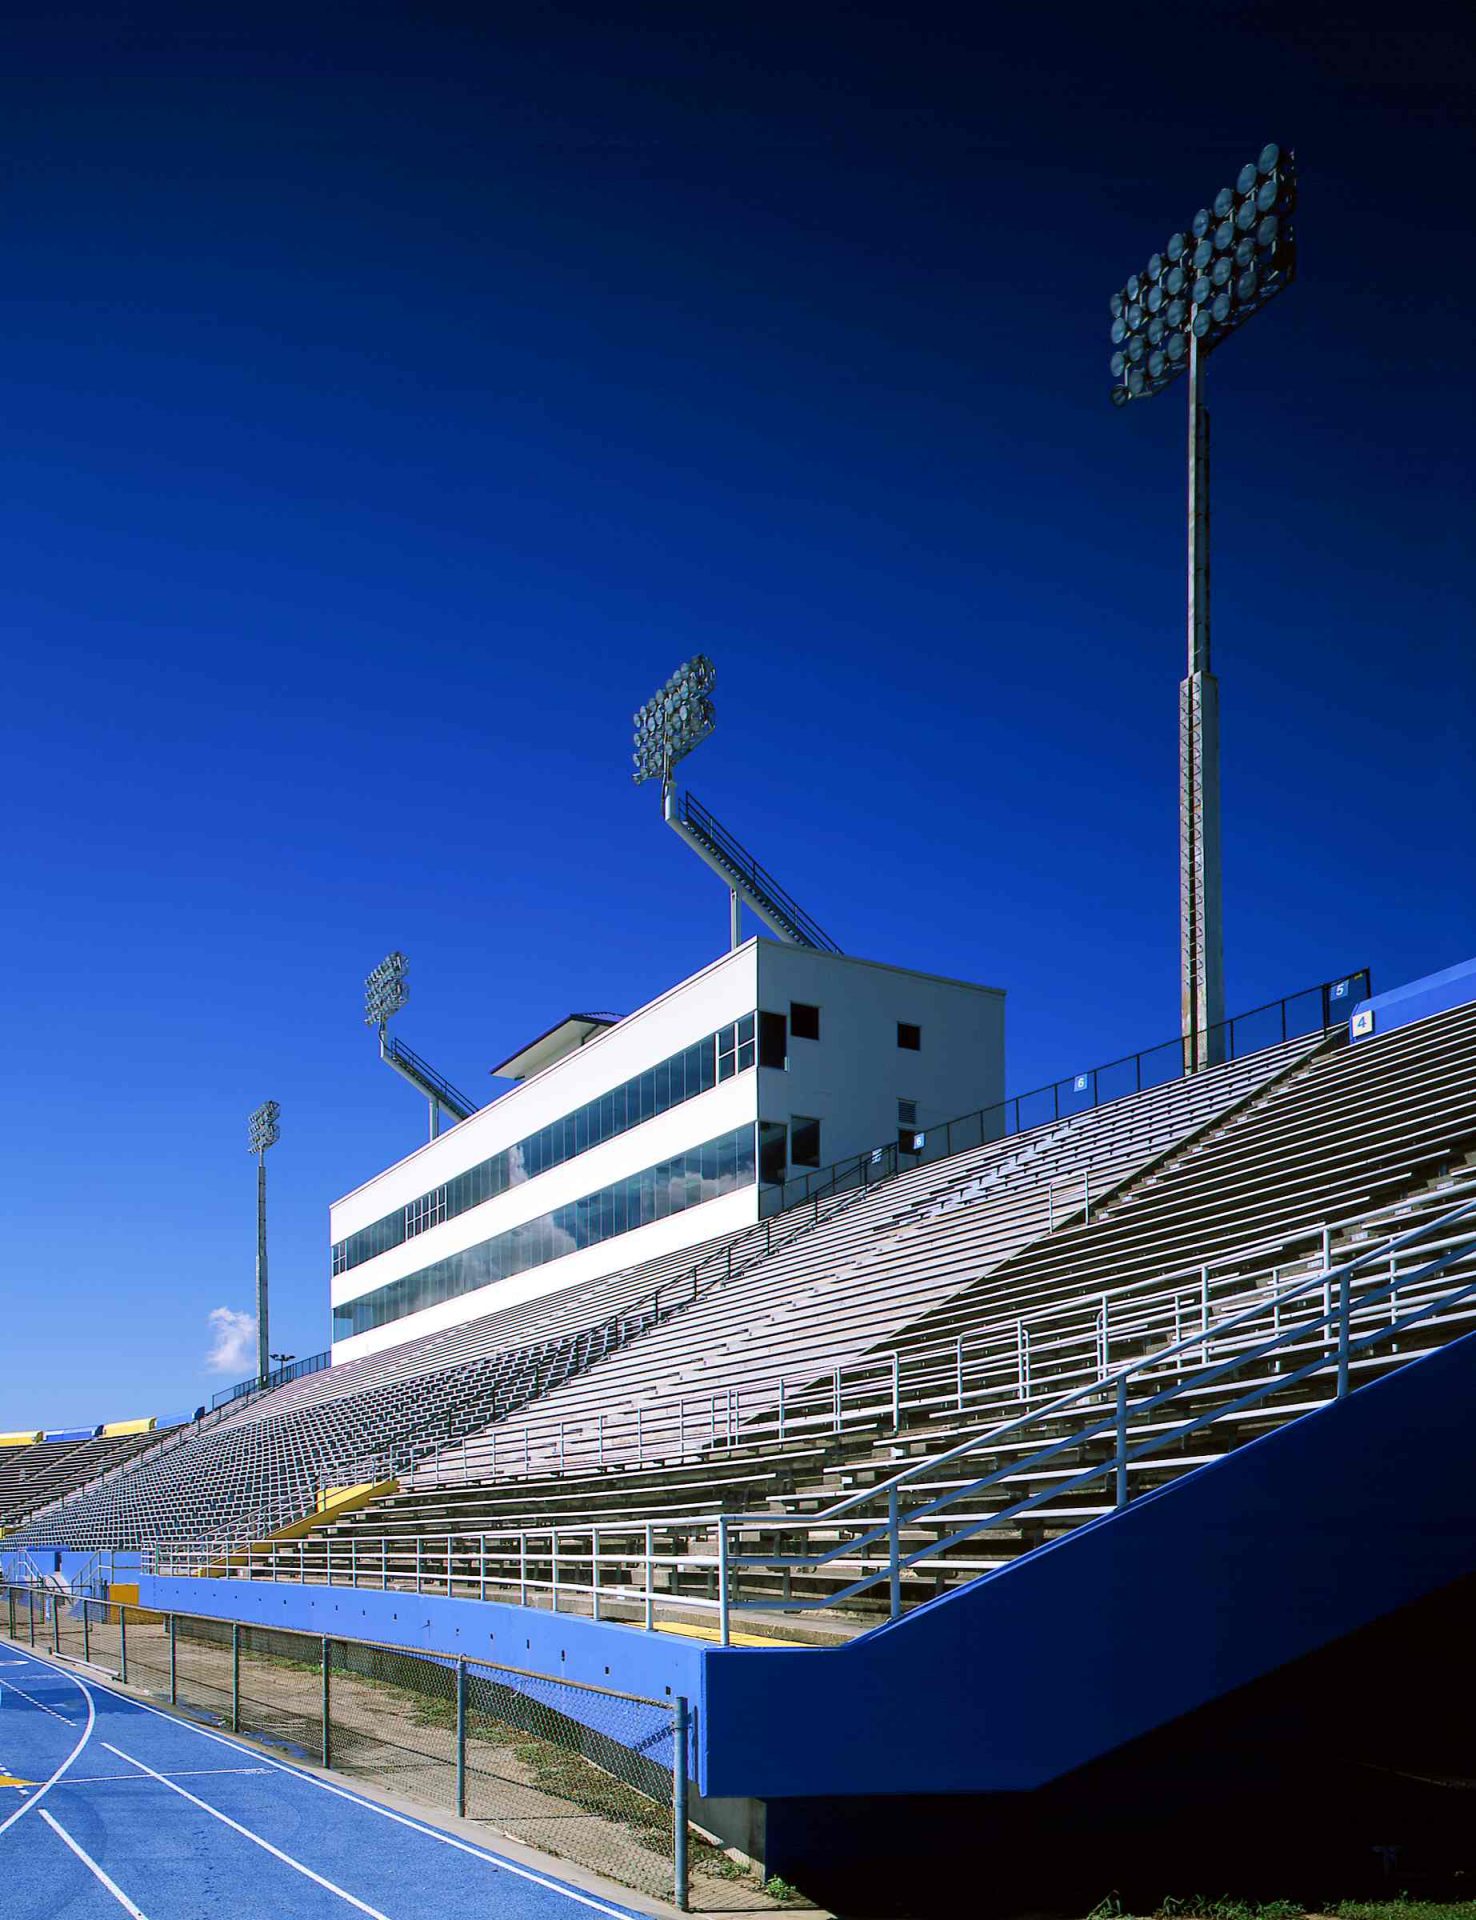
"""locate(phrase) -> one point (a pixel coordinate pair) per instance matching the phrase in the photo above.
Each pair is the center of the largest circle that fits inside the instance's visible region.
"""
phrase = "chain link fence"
(577, 1771)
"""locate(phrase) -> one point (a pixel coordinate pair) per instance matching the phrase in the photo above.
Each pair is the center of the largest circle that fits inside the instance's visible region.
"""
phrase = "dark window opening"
(804, 1021)
(773, 1040)
(804, 1141)
(909, 1036)
(772, 1163)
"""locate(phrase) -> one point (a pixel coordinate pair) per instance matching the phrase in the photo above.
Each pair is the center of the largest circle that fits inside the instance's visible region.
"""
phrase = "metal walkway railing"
(732, 861)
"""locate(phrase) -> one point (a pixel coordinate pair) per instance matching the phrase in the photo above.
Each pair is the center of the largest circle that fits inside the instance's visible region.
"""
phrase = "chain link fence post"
(87, 1631)
(327, 1718)
(55, 1604)
(174, 1659)
(123, 1643)
(235, 1677)
(679, 1800)
(10, 1610)
(461, 1736)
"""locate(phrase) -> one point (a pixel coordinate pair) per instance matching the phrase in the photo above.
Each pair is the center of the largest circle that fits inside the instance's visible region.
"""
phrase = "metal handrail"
(279, 1377)
(1053, 1409)
(690, 811)
(452, 1098)
(822, 1397)
(1336, 999)
(1115, 1419)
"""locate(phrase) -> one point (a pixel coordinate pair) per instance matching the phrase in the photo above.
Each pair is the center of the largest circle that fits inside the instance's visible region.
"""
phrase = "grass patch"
(1404, 1909)
(1226, 1907)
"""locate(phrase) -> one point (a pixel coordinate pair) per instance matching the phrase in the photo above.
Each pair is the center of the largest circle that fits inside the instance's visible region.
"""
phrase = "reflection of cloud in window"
(517, 1173)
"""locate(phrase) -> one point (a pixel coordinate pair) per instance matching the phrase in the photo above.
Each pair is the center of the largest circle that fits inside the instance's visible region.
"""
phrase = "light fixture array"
(261, 1129)
(678, 717)
(1208, 280)
(386, 990)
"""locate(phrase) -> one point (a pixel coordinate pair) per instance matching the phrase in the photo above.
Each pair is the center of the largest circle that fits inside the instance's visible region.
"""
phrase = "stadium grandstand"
(38, 1466)
(850, 1464)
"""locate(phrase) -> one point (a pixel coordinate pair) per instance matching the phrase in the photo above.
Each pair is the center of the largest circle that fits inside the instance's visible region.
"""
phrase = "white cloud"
(232, 1341)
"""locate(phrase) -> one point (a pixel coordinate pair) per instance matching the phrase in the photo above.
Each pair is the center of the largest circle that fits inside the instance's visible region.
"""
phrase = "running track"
(129, 1811)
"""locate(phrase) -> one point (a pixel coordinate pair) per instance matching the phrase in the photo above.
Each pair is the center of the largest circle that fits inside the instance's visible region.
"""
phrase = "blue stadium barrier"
(69, 1433)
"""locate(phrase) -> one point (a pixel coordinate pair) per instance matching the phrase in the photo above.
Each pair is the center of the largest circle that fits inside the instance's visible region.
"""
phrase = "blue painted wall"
(1417, 1000)
(1283, 1547)
(658, 1666)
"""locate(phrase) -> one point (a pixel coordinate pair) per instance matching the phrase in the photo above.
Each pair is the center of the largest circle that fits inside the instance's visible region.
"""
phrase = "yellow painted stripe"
(735, 1639)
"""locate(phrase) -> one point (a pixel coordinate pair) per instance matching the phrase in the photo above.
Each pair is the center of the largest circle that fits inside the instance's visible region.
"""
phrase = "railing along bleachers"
(1224, 1251)
(263, 1463)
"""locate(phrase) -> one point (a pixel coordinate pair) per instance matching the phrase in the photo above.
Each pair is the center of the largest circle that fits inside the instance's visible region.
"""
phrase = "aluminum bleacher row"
(764, 1298)
(40, 1468)
(923, 1358)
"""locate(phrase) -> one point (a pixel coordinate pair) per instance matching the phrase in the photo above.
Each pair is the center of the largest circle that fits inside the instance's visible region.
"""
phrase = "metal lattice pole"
(1201, 912)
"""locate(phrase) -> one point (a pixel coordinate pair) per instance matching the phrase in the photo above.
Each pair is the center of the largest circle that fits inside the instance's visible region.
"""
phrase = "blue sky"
(393, 398)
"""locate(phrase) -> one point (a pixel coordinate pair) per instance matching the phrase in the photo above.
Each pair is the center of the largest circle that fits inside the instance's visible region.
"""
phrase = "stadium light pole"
(678, 717)
(386, 991)
(262, 1131)
(1207, 282)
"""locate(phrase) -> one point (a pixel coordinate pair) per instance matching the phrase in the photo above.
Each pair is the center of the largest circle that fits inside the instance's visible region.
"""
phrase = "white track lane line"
(176, 1773)
(369, 1806)
(35, 1799)
(35, 1702)
(92, 1867)
(247, 1834)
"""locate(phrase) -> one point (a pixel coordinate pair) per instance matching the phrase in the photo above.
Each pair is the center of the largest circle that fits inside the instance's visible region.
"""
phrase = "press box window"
(804, 1021)
(909, 1036)
(735, 1048)
(772, 1164)
(773, 1040)
(804, 1141)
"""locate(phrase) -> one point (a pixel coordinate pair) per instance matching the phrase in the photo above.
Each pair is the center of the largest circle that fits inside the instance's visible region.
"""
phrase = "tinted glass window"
(804, 1020)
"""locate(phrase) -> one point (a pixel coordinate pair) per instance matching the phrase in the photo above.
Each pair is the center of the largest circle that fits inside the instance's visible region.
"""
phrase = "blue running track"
(118, 1809)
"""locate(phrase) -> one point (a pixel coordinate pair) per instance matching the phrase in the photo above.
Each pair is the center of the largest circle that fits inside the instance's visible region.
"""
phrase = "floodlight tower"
(678, 717)
(262, 1131)
(385, 992)
(1205, 284)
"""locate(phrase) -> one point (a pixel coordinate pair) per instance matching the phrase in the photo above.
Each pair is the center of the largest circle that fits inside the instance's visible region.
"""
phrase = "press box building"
(627, 1139)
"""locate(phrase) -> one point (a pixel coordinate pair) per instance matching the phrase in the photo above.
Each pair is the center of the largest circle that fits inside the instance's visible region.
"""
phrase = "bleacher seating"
(263, 1464)
(1341, 1148)
(49, 1466)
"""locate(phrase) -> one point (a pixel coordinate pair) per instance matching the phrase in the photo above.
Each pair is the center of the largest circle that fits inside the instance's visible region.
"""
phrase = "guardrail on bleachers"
(830, 1189)
(279, 1377)
(1313, 1010)
(1009, 1360)
(1320, 1327)
(530, 1752)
